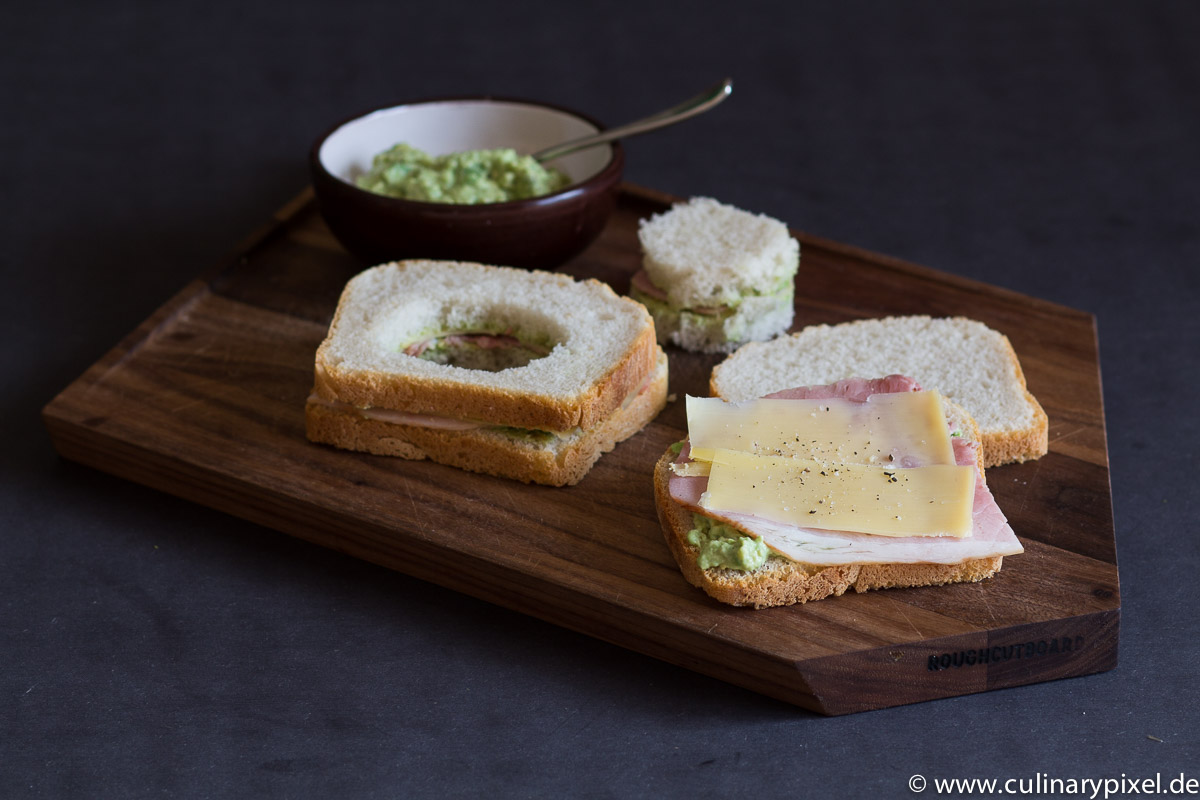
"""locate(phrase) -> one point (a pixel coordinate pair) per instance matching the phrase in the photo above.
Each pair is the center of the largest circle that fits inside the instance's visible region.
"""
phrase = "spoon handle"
(688, 108)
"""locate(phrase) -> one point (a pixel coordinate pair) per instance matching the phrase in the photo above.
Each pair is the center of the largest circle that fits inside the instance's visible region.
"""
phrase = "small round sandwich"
(714, 276)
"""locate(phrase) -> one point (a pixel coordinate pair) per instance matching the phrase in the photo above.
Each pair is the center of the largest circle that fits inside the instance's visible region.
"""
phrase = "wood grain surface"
(205, 400)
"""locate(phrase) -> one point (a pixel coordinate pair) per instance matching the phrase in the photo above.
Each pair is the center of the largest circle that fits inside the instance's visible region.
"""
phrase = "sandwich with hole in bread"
(787, 495)
(523, 375)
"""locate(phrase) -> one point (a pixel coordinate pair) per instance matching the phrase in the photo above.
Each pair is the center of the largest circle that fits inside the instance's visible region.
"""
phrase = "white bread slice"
(781, 581)
(963, 359)
(703, 255)
(603, 345)
(554, 461)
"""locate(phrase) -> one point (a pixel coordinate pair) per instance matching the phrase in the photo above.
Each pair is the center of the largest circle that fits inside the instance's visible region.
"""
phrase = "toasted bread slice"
(965, 360)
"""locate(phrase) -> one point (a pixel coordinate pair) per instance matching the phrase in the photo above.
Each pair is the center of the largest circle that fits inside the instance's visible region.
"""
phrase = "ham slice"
(642, 281)
(399, 417)
(991, 535)
(856, 390)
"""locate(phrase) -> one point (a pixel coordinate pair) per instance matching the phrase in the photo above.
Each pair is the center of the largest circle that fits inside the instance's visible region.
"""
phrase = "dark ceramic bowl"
(540, 232)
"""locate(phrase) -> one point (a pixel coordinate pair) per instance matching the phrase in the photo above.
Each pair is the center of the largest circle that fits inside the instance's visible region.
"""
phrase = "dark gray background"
(150, 647)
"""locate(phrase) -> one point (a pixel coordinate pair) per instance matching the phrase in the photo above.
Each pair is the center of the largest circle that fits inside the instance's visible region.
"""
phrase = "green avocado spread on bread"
(781, 288)
(530, 435)
(721, 545)
(489, 346)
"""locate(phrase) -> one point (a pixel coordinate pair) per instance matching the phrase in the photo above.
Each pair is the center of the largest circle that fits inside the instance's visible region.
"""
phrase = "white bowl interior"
(456, 125)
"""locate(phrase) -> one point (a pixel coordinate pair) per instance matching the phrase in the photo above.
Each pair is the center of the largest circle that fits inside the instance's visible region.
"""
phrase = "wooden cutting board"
(205, 400)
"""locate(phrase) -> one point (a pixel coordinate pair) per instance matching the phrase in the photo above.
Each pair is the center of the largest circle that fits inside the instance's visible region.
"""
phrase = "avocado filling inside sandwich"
(655, 299)
(647, 292)
(487, 350)
(529, 435)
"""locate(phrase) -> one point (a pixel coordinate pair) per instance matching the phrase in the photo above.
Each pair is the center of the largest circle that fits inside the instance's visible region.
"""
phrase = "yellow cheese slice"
(882, 430)
(922, 501)
(691, 469)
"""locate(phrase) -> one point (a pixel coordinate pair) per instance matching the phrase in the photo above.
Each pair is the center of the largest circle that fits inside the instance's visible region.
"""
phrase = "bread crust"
(487, 451)
(781, 582)
(1005, 447)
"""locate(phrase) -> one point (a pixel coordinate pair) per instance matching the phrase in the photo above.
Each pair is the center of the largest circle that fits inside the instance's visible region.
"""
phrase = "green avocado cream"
(530, 435)
(468, 178)
(724, 546)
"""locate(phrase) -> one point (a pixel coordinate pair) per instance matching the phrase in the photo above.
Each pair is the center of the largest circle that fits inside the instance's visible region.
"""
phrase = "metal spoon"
(688, 108)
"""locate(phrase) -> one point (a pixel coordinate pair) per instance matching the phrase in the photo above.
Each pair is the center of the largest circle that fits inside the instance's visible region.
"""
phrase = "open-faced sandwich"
(801, 479)
(803, 494)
